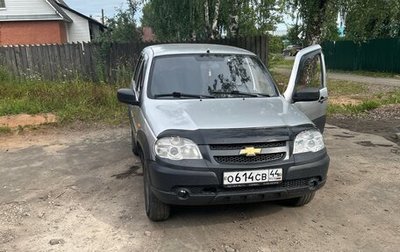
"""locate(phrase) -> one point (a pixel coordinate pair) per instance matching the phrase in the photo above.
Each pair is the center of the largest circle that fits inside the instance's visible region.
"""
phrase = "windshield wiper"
(183, 95)
(235, 92)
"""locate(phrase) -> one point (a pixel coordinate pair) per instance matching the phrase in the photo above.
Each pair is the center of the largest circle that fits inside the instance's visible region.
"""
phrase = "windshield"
(209, 76)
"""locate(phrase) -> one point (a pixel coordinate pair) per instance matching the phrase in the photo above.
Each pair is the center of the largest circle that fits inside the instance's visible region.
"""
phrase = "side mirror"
(307, 94)
(126, 95)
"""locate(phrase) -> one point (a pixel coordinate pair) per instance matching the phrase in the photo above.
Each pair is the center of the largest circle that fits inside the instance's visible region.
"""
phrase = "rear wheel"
(300, 201)
(155, 209)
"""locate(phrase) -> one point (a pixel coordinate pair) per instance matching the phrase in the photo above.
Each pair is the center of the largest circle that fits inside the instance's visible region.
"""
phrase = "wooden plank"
(82, 67)
(11, 59)
(49, 63)
(24, 61)
(257, 41)
(38, 57)
(17, 54)
(59, 59)
(264, 49)
(76, 60)
(68, 64)
(88, 63)
(29, 64)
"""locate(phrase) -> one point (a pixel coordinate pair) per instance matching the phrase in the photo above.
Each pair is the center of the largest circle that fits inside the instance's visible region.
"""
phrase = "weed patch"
(77, 101)
(5, 130)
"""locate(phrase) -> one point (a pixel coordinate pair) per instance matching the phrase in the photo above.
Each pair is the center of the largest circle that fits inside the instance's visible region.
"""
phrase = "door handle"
(322, 99)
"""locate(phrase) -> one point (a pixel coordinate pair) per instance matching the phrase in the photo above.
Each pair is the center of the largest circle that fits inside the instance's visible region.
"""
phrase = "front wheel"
(300, 201)
(155, 209)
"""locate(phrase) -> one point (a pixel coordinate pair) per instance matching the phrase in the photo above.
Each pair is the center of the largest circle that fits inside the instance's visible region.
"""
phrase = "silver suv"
(211, 127)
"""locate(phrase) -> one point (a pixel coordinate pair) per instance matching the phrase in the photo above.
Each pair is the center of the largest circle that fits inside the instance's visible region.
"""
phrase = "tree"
(368, 19)
(122, 27)
(318, 18)
(293, 35)
(189, 19)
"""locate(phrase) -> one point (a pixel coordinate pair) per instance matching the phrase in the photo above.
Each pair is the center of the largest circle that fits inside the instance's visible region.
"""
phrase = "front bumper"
(301, 175)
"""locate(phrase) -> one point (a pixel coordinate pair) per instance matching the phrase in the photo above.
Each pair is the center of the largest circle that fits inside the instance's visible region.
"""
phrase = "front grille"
(242, 146)
(250, 160)
(295, 183)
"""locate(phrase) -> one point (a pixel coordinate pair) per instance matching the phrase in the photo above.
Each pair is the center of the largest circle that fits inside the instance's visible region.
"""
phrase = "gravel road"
(82, 191)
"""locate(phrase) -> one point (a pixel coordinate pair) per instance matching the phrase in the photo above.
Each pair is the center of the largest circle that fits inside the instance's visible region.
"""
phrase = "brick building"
(44, 22)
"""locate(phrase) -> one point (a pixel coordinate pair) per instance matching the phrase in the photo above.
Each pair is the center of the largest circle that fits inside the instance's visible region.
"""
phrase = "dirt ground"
(384, 121)
(82, 191)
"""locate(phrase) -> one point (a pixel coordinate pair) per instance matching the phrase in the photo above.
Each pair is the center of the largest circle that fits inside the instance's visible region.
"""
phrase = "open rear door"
(307, 88)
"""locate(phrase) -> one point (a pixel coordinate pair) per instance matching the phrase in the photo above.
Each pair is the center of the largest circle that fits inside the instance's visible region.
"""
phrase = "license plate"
(270, 176)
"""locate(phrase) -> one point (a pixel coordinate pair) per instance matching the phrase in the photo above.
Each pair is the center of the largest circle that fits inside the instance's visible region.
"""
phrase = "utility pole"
(102, 16)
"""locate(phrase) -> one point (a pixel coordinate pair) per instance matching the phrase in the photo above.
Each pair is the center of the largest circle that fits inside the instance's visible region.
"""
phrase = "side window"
(137, 70)
(310, 72)
(139, 76)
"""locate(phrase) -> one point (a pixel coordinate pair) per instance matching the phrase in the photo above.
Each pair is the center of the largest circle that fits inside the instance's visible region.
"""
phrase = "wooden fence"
(94, 62)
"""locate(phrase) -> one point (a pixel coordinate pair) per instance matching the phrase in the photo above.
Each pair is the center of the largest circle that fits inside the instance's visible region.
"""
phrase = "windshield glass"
(209, 76)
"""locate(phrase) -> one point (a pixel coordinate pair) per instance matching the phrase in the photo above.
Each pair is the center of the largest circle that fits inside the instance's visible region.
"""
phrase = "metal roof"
(171, 49)
(59, 10)
(59, 7)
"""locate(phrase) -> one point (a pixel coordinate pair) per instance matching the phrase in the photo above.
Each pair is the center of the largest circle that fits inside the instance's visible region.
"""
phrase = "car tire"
(300, 201)
(155, 209)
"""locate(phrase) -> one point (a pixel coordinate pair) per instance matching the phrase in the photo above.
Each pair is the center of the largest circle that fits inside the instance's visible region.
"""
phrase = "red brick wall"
(32, 32)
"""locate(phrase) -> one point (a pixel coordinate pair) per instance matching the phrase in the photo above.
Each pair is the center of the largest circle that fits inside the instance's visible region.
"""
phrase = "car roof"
(174, 49)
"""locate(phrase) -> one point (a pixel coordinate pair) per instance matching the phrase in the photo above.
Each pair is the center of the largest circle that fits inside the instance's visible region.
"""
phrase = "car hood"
(193, 114)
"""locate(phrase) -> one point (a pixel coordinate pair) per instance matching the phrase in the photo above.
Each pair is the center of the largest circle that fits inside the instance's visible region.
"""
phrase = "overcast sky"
(93, 8)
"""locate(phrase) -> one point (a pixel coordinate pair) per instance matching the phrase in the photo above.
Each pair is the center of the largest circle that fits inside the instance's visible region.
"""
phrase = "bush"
(275, 44)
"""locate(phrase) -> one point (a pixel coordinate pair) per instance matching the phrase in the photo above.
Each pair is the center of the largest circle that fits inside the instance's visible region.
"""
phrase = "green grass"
(346, 88)
(367, 104)
(78, 101)
(279, 61)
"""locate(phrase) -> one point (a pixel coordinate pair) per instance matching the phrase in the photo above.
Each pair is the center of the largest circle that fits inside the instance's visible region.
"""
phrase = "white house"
(44, 22)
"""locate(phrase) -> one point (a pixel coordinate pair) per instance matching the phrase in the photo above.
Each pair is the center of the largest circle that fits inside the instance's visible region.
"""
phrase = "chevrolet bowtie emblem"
(250, 151)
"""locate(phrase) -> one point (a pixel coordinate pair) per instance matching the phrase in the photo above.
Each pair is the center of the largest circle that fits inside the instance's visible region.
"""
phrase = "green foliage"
(190, 20)
(76, 101)
(122, 27)
(318, 20)
(277, 60)
(275, 44)
(293, 35)
(369, 19)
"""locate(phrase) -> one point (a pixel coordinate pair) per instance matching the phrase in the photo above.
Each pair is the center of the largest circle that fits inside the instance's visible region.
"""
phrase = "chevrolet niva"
(211, 127)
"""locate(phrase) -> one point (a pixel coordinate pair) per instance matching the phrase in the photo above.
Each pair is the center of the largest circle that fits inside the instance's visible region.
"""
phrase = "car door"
(309, 74)
(136, 85)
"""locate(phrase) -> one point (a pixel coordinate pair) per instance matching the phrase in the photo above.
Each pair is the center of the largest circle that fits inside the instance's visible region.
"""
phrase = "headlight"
(308, 141)
(177, 148)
